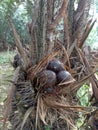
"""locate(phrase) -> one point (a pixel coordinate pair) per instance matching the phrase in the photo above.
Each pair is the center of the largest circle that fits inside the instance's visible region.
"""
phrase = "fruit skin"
(17, 61)
(47, 78)
(55, 65)
(63, 76)
(48, 89)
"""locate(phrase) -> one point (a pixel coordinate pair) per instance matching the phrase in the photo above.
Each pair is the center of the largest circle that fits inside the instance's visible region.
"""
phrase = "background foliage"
(17, 10)
(21, 11)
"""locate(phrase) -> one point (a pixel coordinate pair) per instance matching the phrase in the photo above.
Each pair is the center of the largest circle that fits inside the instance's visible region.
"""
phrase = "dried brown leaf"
(26, 115)
(19, 45)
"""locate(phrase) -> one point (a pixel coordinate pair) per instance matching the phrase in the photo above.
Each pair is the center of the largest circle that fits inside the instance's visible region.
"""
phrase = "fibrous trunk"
(38, 102)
